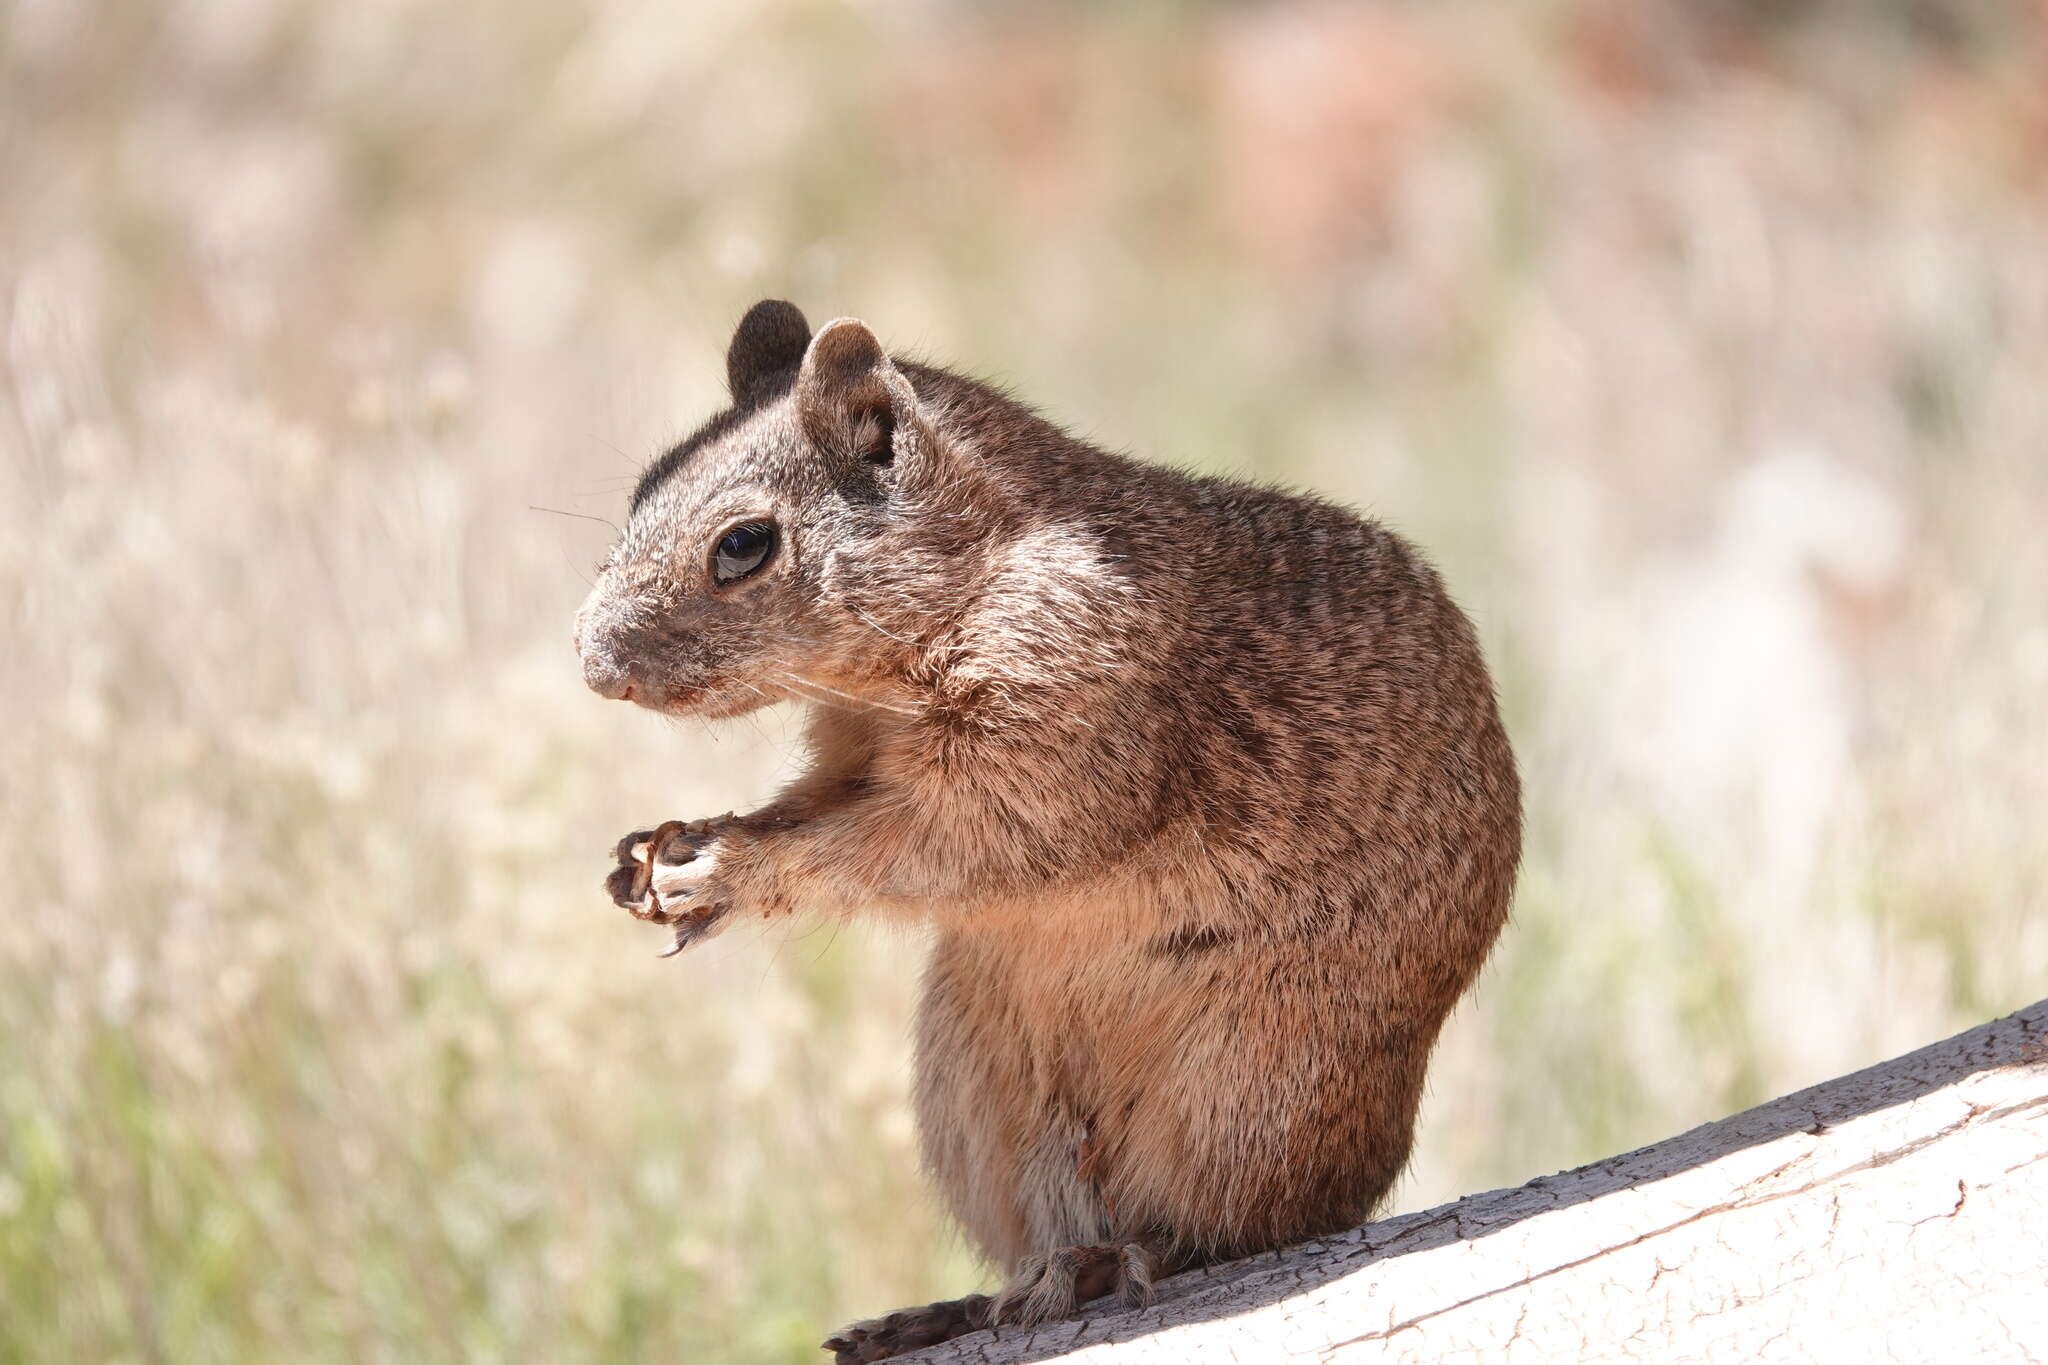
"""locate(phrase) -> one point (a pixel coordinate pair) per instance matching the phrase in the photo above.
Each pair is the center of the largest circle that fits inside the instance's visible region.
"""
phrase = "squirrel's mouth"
(711, 701)
(658, 697)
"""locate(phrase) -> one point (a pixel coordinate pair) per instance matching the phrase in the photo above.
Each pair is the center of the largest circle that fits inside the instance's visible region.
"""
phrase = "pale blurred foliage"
(1704, 348)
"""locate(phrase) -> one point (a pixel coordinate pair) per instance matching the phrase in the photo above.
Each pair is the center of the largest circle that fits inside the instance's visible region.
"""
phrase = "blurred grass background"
(1705, 345)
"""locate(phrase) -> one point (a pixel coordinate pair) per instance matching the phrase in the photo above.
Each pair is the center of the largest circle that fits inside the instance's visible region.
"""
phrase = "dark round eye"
(741, 551)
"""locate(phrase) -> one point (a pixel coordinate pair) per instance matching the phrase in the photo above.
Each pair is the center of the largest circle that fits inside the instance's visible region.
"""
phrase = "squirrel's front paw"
(669, 875)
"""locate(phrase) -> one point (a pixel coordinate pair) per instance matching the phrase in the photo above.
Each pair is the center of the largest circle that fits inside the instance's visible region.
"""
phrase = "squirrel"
(1201, 787)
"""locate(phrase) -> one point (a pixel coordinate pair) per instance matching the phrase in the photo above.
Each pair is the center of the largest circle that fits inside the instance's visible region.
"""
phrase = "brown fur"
(1200, 785)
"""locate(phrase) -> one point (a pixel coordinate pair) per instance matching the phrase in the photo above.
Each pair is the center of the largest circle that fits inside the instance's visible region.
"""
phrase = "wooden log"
(1899, 1213)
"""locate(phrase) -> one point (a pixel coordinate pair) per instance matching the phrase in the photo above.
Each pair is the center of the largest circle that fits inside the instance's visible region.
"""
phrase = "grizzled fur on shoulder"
(1200, 786)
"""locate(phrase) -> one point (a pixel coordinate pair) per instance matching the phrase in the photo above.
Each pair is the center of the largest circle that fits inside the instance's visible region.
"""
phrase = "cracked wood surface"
(1899, 1213)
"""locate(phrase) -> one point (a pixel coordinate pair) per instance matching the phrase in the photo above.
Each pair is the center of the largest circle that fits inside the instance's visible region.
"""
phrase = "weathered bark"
(1900, 1213)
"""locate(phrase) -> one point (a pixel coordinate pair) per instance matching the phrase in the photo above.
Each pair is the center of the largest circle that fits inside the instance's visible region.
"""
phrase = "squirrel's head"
(763, 555)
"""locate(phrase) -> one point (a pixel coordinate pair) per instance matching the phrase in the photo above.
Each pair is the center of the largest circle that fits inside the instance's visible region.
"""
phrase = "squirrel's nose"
(609, 642)
(605, 674)
(606, 677)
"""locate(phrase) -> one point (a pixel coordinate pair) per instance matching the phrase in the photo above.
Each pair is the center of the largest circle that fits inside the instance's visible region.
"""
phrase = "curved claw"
(694, 928)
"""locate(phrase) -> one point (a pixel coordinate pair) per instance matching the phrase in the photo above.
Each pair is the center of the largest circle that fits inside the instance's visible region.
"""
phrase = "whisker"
(633, 460)
(876, 626)
(585, 516)
(857, 701)
(754, 721)
(579, 570)
(799, 685)
(832, 939)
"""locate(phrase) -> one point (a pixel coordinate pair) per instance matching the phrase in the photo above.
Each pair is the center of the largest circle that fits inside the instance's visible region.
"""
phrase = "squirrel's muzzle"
(604, 645)
(626, 657)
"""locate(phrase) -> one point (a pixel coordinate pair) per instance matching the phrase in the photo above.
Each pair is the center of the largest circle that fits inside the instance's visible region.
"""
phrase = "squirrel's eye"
(741, 551)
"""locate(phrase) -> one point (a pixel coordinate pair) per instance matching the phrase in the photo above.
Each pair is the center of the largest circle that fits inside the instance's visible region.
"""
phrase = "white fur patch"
(680, 883)
(1055, 611)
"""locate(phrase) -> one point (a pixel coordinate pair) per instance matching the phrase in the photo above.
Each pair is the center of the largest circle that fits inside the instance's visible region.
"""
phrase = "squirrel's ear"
(769, 341)
(850, 397)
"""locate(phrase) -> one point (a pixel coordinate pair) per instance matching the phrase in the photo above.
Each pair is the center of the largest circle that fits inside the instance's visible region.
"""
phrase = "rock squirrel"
(1200, 786)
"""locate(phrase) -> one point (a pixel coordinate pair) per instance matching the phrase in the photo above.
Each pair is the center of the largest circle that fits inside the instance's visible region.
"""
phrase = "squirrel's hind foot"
(1047, 1286)
(1054, 1284)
